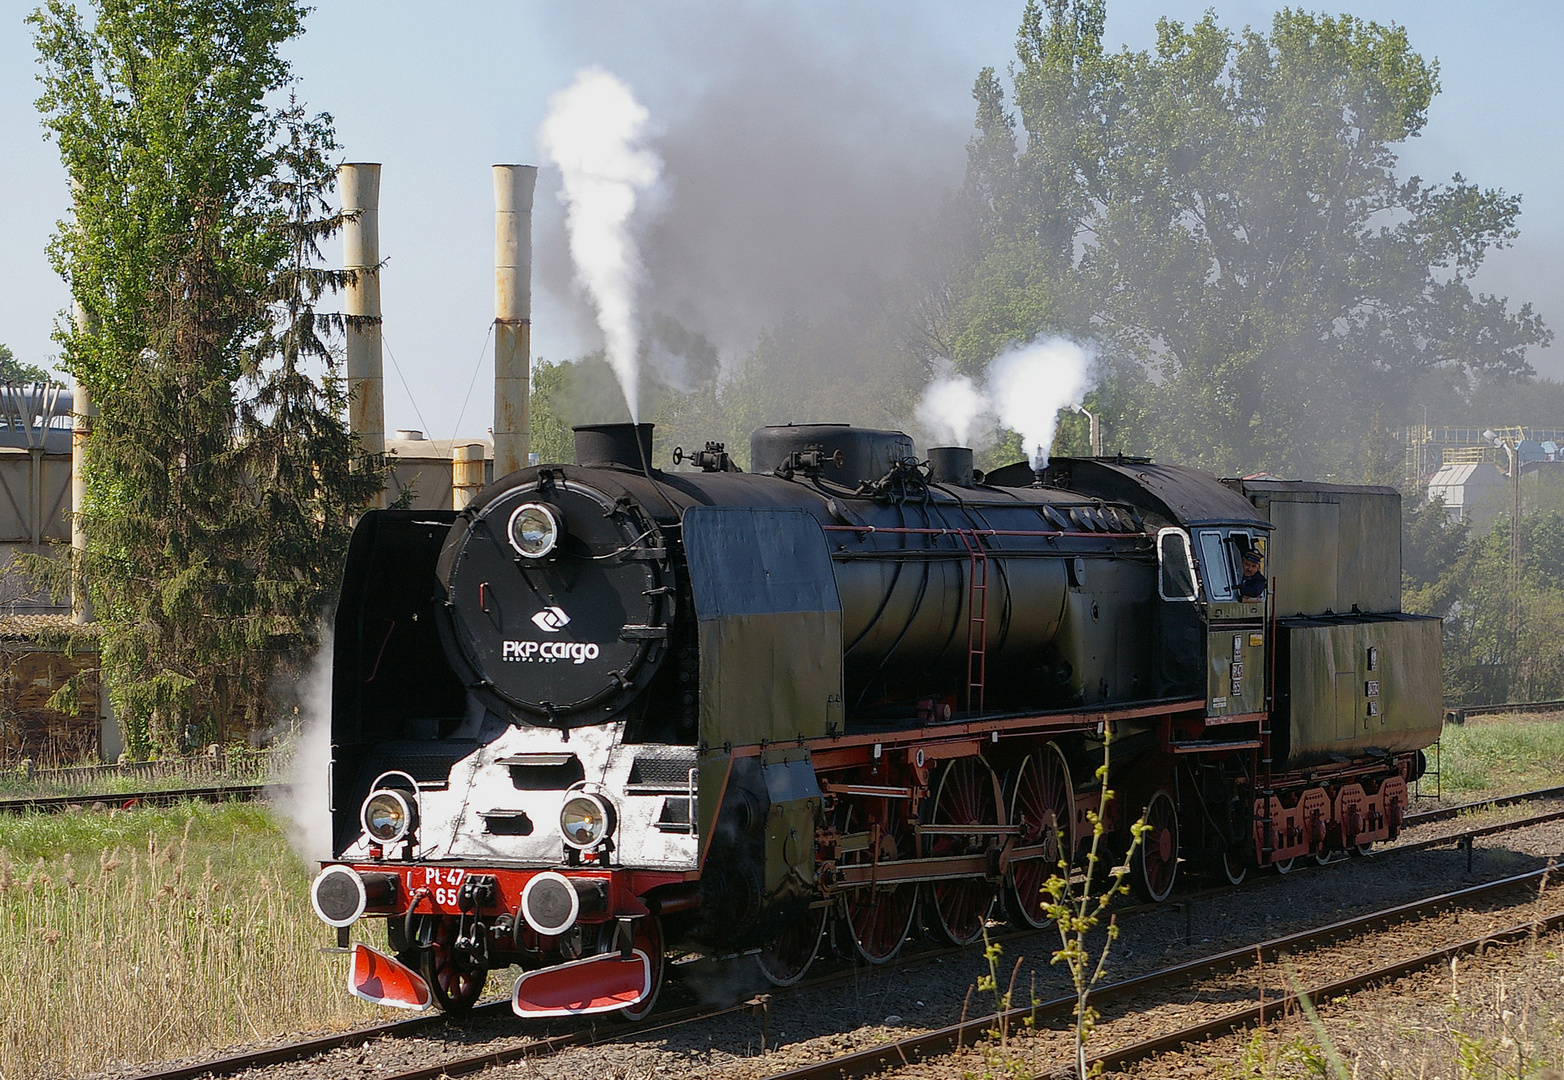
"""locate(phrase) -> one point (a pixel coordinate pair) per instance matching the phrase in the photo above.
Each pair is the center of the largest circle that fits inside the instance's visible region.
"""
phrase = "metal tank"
(1039, 584)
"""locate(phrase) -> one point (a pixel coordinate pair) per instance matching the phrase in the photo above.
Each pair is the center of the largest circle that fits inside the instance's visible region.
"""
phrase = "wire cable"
(472, 382)
(403, 379)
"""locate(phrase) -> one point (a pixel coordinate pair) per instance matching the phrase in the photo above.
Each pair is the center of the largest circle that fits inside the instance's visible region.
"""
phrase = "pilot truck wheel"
(648, 939)
(455, 978)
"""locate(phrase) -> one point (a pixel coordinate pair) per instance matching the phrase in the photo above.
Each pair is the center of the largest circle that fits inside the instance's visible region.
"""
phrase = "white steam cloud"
(949, 408)
(304, 794)
(1023, 389)
(1030, 384)
(594, 132)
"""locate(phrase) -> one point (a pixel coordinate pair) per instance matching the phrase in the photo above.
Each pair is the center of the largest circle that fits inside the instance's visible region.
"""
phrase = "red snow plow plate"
(376, 977)
(596, 984)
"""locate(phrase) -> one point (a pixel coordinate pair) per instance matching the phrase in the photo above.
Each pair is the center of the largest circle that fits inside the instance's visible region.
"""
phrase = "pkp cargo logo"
(551, 619)
(577, 652)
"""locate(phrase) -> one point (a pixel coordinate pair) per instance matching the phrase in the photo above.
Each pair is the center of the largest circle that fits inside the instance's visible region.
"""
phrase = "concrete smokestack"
(82, 412)
(513, 186)
(359, 185)
(81, 428)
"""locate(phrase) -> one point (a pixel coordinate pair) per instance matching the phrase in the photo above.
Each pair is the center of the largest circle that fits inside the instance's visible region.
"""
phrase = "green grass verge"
(1501, 755)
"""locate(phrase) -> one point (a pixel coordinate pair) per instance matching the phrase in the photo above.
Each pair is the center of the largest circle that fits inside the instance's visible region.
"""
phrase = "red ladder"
(977, 618)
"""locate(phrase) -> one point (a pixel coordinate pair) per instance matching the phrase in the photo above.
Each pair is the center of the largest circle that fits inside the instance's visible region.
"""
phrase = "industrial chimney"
(81, 432)
(359, 185)
(513, 186)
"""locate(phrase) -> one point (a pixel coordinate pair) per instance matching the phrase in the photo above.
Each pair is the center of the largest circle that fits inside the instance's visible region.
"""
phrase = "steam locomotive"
(608, 711)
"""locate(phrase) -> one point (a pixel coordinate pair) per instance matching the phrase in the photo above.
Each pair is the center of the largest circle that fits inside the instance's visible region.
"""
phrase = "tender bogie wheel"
(1042, 803)
(1323, 856)
(1155, 866)
(1282, 866)
(454, 979)
(1363, 848)
(786, 958)
(648, 939)
(876, 918)
(968, 794)
(1234, 866)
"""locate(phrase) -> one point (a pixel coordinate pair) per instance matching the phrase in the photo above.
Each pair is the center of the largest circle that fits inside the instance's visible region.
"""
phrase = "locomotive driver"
(1252, 587)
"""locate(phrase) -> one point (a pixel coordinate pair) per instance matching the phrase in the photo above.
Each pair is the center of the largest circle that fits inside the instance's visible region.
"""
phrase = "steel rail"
(1447, 812)
(1477, 832)
(942, 1040)
(125, 799)
(1458, 713)
(1121, 1056)
(235, 1063)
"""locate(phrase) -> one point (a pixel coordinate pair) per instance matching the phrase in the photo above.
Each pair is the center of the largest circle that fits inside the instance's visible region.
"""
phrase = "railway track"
(943, 1040)
(1445, 813)
(247, 792)
(599, 1032)
(52, 804)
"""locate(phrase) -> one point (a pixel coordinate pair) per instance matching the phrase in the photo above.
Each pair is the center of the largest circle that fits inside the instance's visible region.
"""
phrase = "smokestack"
(82, 412)
(513, 185)
(81, 428)
(466, 473)
(951, 465)
(359, 185)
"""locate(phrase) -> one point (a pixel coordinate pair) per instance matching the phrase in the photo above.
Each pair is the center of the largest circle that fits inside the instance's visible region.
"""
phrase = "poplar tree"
(1224, 215)
(218, 465)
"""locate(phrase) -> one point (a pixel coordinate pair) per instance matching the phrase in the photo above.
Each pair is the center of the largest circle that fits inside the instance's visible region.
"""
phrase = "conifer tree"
(219, 472)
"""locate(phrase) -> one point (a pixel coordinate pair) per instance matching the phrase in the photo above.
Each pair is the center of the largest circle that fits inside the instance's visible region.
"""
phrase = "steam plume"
(593, 132)
(1024, 389)
(304, 796)
(1030, 384)
(949, 408)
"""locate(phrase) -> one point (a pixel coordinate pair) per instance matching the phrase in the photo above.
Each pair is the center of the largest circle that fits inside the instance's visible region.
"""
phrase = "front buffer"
(590, 940)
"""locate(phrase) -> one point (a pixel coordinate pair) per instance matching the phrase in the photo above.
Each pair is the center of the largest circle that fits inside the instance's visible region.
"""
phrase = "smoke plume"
(1023, 389)
(594, 133)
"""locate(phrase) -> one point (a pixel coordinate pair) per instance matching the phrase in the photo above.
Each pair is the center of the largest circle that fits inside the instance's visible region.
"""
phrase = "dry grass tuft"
(197, 936)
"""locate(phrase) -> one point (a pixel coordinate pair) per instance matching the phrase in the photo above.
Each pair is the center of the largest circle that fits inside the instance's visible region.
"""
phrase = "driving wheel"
(1155, 866)
(786, 957)
(968, 795)
(877, 917)
(1042, 805)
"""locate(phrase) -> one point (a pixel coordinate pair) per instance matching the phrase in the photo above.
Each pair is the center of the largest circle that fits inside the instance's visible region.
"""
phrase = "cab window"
(1216, 569)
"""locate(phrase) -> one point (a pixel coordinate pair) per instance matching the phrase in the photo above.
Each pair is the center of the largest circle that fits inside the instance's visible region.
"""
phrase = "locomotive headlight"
(388, 815)
(585, 820)
(534, 529)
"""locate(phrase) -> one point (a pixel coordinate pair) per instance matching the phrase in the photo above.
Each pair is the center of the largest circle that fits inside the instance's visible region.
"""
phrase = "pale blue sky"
(803, 141)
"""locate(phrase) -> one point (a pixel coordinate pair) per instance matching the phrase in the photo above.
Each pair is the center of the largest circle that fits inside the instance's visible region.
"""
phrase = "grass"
(1500, 755)
(157, 933)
